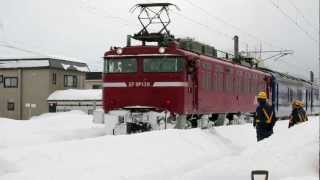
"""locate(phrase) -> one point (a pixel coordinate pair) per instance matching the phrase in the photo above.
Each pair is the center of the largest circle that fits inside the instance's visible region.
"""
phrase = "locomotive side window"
(162, 64)
(123, 65)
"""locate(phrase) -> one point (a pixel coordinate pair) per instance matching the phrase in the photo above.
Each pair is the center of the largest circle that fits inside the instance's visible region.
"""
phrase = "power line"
(10, 46)
(302, 15)
(293, 21)
(93, 11)
(229, 24)
(209, 28)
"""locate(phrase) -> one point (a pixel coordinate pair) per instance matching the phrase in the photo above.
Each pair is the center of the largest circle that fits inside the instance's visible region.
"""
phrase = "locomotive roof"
(132, 51)
(284, 75)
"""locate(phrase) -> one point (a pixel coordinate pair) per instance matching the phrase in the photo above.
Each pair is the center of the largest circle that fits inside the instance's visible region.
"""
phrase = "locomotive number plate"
(139, 84)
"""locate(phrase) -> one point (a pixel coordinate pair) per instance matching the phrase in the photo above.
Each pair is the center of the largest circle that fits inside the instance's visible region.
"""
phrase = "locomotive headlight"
(162, 50)
(119, 51)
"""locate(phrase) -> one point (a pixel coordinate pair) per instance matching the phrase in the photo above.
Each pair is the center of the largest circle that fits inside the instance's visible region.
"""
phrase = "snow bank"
(76, 94)
(47, 128)
(288, 153)
(224, 153)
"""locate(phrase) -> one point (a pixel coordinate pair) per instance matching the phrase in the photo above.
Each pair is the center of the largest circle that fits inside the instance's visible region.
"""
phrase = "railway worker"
(303, 113)
(264, 117)
(298, 114)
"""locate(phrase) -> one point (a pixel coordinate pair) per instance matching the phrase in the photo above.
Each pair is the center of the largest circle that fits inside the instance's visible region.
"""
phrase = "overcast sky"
(85, 29)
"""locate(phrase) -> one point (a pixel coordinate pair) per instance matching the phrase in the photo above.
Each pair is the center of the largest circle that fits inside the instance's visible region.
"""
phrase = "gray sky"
(85, 29)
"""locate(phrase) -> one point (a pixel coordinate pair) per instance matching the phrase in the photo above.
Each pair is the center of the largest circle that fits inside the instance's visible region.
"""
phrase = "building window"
(1, 78)
(10, 106)
(54, 78)
(10, 82)
(70, 81)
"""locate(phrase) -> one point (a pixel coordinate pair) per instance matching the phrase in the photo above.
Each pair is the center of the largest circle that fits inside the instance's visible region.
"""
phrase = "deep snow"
(69, 146)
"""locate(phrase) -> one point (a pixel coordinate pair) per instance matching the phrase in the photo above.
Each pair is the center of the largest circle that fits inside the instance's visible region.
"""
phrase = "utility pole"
(319, 44)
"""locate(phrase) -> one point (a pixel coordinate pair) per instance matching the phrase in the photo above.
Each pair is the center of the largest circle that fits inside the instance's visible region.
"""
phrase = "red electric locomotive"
(176, 77)
(180, 81)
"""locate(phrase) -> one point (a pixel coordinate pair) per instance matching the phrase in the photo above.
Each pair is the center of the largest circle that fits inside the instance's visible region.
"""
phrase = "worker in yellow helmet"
(265, 117)
(298, 114)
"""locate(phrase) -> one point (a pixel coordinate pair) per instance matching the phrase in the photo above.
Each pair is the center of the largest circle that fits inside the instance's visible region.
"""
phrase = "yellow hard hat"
(296, 103)
(262, 95)
(301, 103)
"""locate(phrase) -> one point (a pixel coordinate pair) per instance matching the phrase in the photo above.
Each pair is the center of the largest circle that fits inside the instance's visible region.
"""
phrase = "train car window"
(291, 95)
(299, 94)
(123, 65)
(163, 64)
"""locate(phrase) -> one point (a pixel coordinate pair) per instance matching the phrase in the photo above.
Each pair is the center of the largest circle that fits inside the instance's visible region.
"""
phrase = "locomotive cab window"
(162, 64)
(123, 65)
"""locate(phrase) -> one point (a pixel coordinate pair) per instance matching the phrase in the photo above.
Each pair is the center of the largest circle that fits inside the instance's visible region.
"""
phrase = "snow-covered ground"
(69, 146)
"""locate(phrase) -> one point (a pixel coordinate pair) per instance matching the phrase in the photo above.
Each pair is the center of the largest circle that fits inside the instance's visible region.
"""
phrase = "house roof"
(76, 95)
(43, 63)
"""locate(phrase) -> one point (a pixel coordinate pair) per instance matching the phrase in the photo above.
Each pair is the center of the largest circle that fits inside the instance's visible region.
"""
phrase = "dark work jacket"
(303, 114)
(261, 121)
(297, 115)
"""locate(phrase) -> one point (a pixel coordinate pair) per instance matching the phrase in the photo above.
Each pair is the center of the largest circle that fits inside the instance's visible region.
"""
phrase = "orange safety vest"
(269, 118)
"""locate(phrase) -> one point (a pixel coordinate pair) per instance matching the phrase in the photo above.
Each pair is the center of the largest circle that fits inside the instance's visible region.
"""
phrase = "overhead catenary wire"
(293, 21)
(230, 24)
(209, 28)
(303, 16)
(228, 36)
(93, 10)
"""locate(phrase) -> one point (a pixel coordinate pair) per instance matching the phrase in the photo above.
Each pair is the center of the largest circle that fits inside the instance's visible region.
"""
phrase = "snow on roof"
(24, 64)
(76, 95)
(78, 68)
(82, 68)
(65, 66)
(44, 62)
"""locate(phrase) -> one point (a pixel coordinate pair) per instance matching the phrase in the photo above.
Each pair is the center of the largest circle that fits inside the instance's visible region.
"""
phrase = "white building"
(85, 100)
